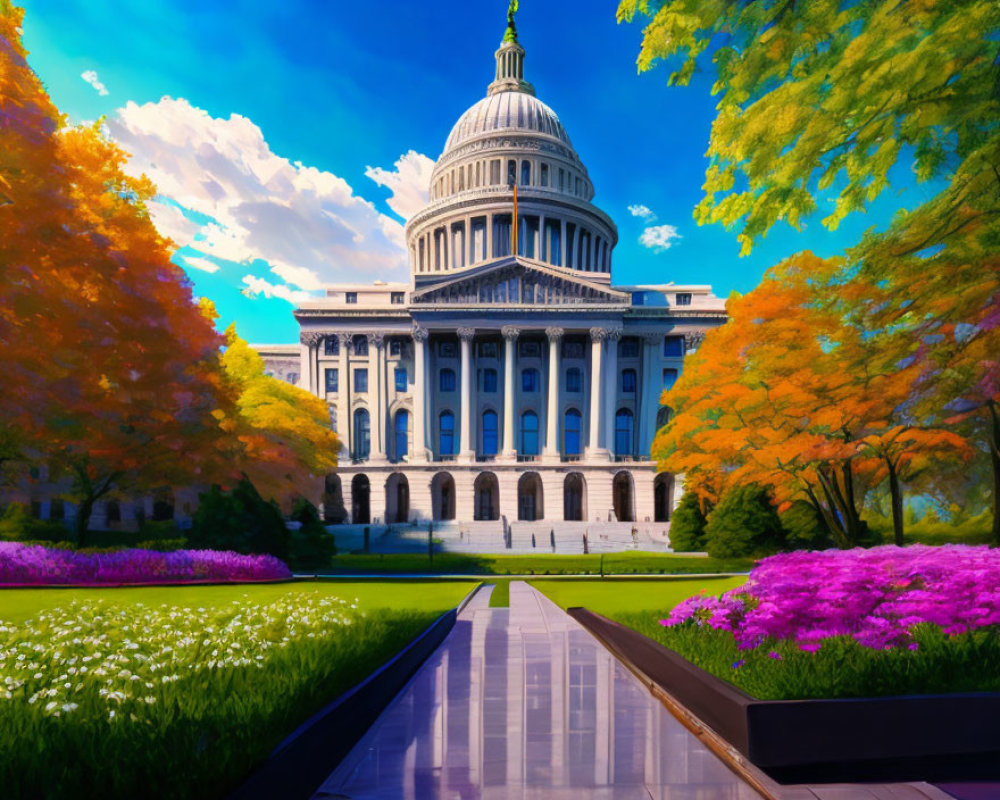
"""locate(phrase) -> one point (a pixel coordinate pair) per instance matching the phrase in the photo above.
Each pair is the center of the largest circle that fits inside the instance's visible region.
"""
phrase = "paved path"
(524, 703)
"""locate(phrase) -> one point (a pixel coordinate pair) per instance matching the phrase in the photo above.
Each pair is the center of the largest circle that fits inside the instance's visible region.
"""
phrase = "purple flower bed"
(22, 564)
(875, 596)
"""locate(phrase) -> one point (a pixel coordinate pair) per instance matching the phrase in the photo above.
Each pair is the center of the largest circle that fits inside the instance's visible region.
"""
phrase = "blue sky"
(280, 199)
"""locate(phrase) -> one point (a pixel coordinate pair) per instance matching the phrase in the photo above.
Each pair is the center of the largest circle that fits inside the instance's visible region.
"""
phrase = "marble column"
(344, 394)
(467, 451)
(419, 454)
(489, 236)
(650, 388)
(551, 451)
(597, 336)
(611, 393)
(310, 346)
(375, 410)
(562, 243)
(510, 334)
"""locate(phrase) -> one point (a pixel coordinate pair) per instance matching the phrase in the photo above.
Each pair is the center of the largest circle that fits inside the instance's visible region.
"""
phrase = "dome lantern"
(510, 61)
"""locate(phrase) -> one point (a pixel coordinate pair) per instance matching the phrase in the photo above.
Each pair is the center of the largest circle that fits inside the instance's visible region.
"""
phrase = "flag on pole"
(513, 231)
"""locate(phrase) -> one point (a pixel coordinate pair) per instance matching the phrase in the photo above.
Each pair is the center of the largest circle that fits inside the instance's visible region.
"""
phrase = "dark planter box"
(908, 738)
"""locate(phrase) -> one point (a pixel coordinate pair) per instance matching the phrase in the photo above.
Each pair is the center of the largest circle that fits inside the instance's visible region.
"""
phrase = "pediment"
(516, 281)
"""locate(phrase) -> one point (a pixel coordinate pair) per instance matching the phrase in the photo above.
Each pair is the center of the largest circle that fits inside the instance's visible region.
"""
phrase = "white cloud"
(641, 211)
(90, 76)
(256, 286)
(659, 237)
(308, 225)
(409, 182)
(201, 263)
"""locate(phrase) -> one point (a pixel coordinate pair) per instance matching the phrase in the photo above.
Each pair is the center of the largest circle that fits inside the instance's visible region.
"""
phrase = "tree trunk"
(896, 495)
(995, 461)
(83, 513)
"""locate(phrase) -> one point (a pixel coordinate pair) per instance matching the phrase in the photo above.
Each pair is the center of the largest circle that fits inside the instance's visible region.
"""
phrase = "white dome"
(506, 112)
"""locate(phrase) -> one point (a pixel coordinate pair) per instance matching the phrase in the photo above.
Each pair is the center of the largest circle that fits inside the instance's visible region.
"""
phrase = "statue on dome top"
(511, 33)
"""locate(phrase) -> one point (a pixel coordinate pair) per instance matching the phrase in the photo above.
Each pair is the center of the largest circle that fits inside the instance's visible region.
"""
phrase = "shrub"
(311, 545)
(17, 525)
(687, 525)
(163, 545)
(240, 520)
(804, 528)
(744, 523)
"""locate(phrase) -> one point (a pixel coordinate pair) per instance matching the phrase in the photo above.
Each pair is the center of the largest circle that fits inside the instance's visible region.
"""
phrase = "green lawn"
(178, 692)
(616, 596)
(540, 564)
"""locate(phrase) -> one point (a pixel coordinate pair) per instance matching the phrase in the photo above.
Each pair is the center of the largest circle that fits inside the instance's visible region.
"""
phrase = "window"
(682, 299)
(396, 298)
(490, 433)
(628, 381)
(663, 416)
(331, 380)
(446, 349)
(572, 348)
(395, 347)
(361, 380)
(638, 298)
(529, 380)
(629, 348)
(402, 434)
(530, 349)
(487, 380)
(529, 433)
(400, 379)
(623, 432)
(669, 378)
(545, 175)
(351, 297)
(57, 509)
(487, 349)
(360, 345)
(572, 424)
(447, 380)
(362, 434)
(525, 173)
(293, 378)
(495, 171)
(574, 380)
(113, 511)
(673, 347)
(562, 180)
(511, 172)
(579, 185)
(446, 434)
(331, 346)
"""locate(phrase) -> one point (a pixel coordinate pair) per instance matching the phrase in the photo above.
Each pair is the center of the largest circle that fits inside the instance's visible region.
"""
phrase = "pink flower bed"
(876, 596)
(22, 564)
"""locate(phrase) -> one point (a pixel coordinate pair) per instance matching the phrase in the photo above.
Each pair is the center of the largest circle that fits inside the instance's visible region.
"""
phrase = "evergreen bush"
(744, 523)
(239, 520)
(687, 525)
(310, 546)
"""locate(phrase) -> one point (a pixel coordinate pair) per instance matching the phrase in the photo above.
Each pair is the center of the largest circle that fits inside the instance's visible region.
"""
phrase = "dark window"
(525, 173)
(362, 434)
(669, 378)
(57, 509)
(360, 345)
(446, 438)
(562, 180)
(446, 349)
(400, 379)
(402, 431)
(113, 511)
(511, 172)
(352, 297)
(628, 381)
(490, 433)
(623, 432)
(545, 175)
(487, 380)
(395, 347)
(396, 298)
(629, 348)
(529, 433)
(529, 380)
(447, 380)
(331, 381)
(487, 349)
(331, 346)
(572, 349)
(530, 349)
(361, 380)
(673, 346)
(662, 416)
(571, 432)
(574, 380)
(682, 298)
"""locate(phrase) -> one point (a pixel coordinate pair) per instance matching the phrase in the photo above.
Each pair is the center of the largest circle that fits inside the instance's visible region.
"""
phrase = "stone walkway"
(524, 703)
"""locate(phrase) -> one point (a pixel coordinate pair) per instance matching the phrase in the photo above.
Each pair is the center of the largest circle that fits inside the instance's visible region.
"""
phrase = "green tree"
(687, 525)
(744, 523)
(803, 527)
(312, 545)
(239, 520)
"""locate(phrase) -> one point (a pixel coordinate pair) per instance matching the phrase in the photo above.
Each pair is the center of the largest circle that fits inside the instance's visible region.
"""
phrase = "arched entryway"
(443, 496)
(624, 497)
(487, 496)
(163, 506)
(333, 501)
(663, 492)
(397, 498)
(575, 497)
(529, 497)
(361, 512)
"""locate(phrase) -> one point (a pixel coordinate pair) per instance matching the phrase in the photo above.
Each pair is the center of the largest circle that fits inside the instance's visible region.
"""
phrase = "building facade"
(510, 380)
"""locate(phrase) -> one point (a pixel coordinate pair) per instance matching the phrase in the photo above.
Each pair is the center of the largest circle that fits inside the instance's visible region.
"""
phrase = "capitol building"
(510, 388)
